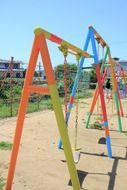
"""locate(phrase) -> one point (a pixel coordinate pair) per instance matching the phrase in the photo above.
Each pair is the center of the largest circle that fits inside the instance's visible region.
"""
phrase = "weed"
(2, 182)
(5, 145)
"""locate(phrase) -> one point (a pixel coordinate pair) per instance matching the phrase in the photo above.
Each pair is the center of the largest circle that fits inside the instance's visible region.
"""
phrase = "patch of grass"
(5, 145)
(47, 104)
(32, 107)
(5, 109)
(2, 182)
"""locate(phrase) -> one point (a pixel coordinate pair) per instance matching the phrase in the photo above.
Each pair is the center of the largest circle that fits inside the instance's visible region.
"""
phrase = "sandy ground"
(41, 166)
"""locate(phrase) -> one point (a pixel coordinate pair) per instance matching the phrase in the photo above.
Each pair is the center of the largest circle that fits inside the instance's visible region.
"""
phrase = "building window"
(16, 66)
(18, 75)
(6, 65)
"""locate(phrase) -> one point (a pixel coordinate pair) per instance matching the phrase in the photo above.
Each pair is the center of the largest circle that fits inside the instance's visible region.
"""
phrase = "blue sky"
(69, 19)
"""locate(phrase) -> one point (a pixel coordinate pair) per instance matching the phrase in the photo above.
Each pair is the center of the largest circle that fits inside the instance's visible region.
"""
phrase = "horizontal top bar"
(60, 41)
(98, 37)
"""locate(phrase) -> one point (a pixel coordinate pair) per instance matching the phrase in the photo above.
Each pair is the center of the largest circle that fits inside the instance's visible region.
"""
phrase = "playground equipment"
(121, 80)
(40, 46)
(92, 34)
(100, 40)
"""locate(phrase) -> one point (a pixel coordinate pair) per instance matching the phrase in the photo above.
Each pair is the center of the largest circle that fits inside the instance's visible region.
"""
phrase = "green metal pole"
(118, 113)
(114, 86)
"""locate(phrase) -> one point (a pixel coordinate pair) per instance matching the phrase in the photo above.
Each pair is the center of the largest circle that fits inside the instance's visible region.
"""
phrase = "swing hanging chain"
(78, 56)
(65, 84)
(76, 122)
(64, 49)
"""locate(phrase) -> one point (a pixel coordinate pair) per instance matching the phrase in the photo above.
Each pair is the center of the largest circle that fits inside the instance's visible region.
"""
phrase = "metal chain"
(78, 56)
(64, 49)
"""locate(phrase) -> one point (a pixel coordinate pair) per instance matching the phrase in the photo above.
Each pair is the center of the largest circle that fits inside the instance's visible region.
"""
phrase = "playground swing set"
(104, 69)
(91, 38)
(40, 46)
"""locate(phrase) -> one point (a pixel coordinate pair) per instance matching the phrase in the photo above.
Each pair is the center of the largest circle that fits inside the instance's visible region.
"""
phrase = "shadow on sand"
(112, 175)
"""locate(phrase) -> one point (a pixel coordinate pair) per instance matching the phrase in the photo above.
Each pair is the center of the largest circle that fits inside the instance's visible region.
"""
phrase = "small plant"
(5, 145)
(2, 182)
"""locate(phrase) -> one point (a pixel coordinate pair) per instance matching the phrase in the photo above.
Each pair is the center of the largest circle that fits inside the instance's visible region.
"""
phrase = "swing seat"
(76, 149)
(76, 154)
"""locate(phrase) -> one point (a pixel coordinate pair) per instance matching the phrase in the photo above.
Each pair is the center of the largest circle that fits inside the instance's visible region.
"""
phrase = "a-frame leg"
(21, 115)
(115, 91)
(104, 112)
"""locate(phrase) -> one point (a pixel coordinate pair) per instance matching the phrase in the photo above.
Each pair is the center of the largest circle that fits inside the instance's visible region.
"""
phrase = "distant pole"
(11, 86)
(39, 79)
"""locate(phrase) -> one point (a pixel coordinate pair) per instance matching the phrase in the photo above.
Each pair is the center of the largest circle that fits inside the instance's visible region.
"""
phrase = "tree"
(71, 70)
(93, 77)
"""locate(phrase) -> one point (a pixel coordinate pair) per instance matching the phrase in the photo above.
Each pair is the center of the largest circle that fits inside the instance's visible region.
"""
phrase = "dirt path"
(41, 166)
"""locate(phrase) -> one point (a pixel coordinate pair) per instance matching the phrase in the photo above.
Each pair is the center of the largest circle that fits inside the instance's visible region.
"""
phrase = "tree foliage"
(71, 71)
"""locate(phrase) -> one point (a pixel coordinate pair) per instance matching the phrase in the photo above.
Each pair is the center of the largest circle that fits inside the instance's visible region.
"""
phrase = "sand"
(41, 166)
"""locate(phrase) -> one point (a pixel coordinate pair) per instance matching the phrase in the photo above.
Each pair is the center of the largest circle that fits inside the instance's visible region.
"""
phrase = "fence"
(10, 95)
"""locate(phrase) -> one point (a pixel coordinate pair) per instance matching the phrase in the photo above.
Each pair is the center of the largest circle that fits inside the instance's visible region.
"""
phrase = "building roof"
(8, 61)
